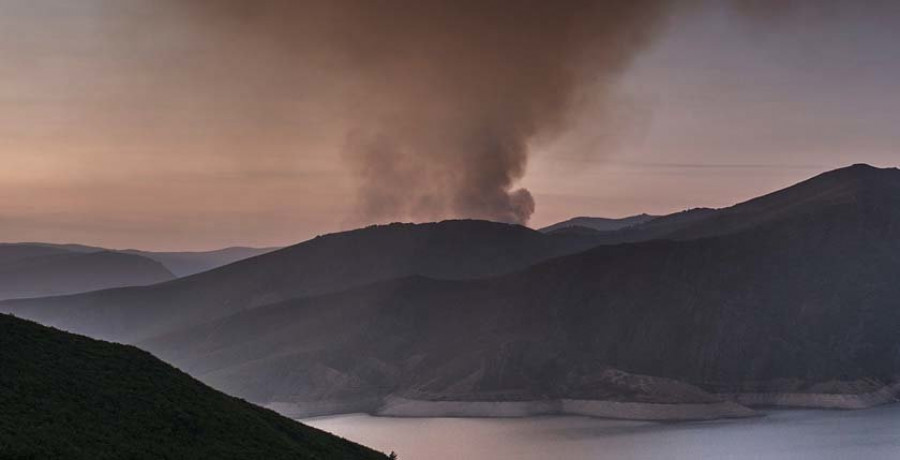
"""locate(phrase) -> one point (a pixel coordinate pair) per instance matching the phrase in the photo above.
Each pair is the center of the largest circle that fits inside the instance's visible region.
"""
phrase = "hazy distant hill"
(187, 263)
(33, 270)
(600, 224)
(806, 301)
(67, 396)
(446, 250)
(14, 252)
(180, 263)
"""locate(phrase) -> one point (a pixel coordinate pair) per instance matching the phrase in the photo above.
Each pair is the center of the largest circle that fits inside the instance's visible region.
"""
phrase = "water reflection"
(869, 434)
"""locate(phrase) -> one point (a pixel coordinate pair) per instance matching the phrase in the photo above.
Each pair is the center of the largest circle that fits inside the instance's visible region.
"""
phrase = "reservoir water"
(872, 434)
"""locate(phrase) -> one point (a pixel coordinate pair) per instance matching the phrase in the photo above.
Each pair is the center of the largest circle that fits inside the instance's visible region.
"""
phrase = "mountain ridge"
(797, 301)
(180, 263)
(68, 396)
(450, 249)
(600, 224)
(729, 316)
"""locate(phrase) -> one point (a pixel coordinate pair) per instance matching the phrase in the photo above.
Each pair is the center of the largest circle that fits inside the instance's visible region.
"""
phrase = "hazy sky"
(142, 123)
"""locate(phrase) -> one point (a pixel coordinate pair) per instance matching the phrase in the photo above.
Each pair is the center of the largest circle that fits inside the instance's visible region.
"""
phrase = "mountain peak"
(862, 168)
(851, 186)
(842, 183)
(857, 181)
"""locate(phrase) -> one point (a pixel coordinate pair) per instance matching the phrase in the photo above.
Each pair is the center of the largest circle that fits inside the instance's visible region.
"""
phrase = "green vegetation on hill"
(68, 396)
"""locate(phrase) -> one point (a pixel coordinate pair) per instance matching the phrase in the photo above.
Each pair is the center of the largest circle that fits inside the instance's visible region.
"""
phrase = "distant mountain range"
(67, 396)
(188, 263)
(35, 270)
(180, 263)
(447, 250)
(790, 298)
(597, 224)
(44, 269)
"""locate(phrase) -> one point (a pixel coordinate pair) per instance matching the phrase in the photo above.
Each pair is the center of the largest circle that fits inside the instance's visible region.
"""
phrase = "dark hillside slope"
(447, 250)
(801, 303)
(859, 184)
(843, 185)
(67, 396)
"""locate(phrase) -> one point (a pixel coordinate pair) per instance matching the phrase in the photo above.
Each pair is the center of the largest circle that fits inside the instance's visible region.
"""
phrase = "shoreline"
(739, 405)
(621, 410)
(843, 401)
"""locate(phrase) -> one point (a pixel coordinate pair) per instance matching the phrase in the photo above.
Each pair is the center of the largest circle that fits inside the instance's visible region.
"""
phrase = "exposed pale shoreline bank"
(732, 406)
(885, 395)
(399, 407)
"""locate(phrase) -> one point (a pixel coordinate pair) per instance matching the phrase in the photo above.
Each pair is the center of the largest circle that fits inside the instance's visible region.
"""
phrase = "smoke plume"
(442, 98)
(438, 101)
(454, 91)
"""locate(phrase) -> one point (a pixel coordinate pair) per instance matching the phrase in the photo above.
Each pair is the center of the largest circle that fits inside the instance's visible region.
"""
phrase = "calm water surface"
(871, 434)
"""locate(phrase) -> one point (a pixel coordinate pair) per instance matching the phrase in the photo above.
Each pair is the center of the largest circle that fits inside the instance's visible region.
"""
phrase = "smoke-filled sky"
(191, 124)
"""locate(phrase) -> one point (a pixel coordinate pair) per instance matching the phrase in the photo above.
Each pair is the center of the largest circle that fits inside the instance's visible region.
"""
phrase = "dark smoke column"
(440, 99)
(454, 91)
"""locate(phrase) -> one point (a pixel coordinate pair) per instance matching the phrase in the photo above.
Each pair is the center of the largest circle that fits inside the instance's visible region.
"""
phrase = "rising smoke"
(441, 99)
(444, 97)
(454, 92)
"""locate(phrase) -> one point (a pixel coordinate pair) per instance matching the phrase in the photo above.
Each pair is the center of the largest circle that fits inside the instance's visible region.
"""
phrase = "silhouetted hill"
(808, 301)
(447, 250)
(14, 252)
(180, 263)
(33, 270)
(600, 224)
(576, 230)
(186, 263)
(67, 396)
(831, 188)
